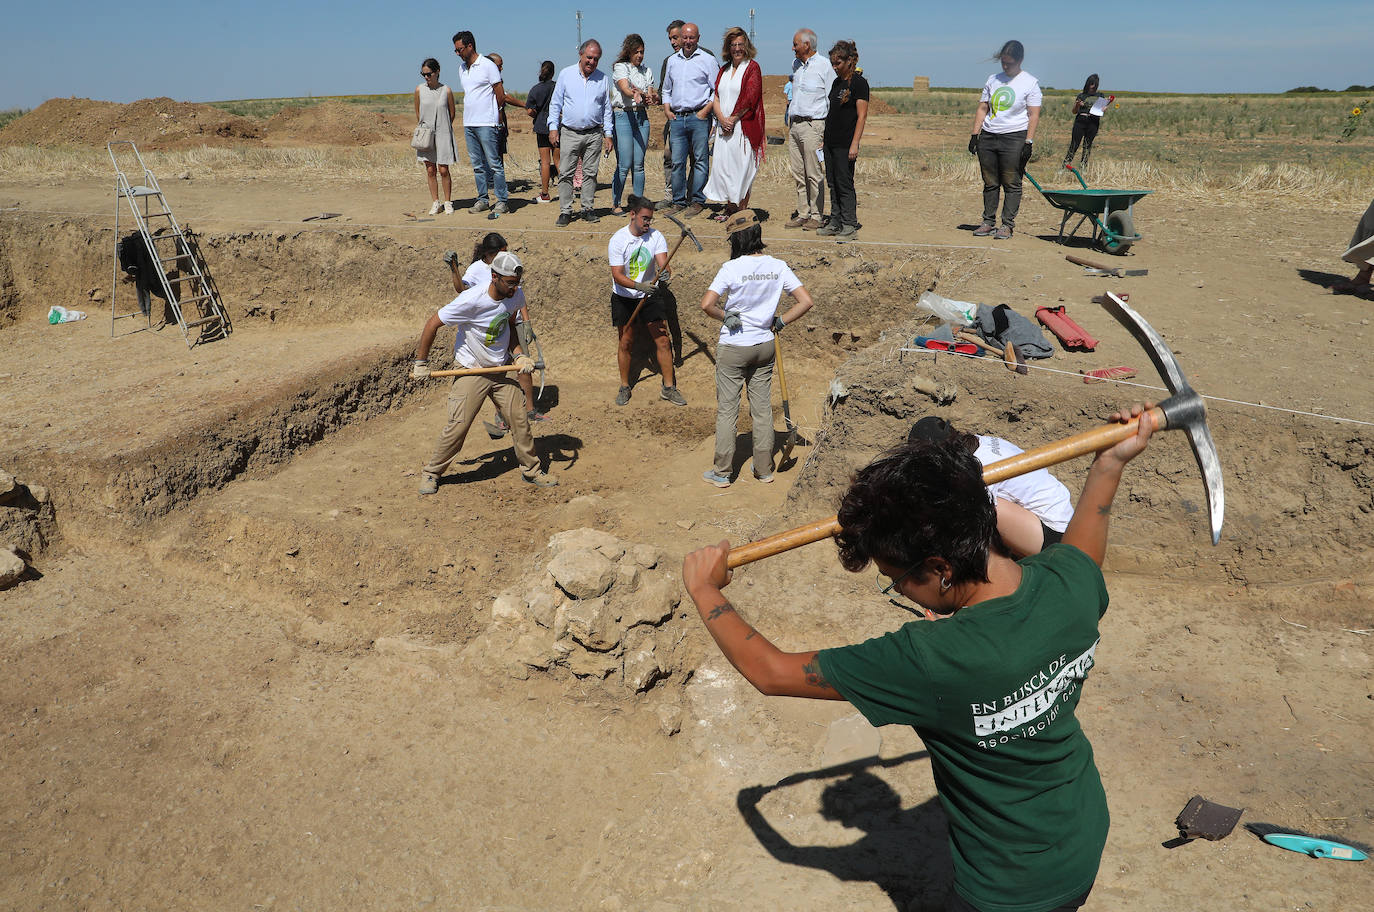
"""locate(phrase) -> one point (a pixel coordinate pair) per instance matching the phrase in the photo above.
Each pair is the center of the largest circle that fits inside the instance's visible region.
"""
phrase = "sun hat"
(745, 218)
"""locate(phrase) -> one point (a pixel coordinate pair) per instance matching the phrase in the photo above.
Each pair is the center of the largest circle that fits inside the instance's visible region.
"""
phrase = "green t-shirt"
(992, 693)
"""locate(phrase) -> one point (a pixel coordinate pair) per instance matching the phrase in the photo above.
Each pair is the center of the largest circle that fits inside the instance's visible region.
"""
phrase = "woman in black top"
(537, 106)
(844, 129)
(1085, 123)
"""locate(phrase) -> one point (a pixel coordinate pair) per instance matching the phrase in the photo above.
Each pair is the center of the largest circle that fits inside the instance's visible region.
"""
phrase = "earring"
(945, 584)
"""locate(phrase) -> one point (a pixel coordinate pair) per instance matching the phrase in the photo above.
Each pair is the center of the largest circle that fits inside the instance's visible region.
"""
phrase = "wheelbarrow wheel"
(1121, 231)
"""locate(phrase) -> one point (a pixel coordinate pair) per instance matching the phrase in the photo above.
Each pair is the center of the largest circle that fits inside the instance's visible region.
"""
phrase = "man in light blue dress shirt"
(579, 116)
(688, 88)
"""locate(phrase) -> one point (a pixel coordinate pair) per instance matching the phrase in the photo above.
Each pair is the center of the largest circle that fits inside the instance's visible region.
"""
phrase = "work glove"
(1025, 156)
(645, 287)
(973, 144)
(450, 258)
(663, 279)
(732, 322)
(778, 325)
(419, 370)
(524, 364)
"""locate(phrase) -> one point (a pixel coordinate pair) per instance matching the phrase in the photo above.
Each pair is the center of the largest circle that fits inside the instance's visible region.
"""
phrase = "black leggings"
(1084, 131)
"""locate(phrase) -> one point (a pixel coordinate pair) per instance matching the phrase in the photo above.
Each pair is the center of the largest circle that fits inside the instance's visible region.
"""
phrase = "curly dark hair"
(921, 500)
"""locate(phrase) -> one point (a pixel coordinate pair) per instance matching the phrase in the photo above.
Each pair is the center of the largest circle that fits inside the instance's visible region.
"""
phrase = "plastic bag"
(961, 313)
(63, 315)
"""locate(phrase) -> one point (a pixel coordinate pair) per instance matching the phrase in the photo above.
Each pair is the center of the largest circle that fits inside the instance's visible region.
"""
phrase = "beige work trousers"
(804, 139)
(465, 401)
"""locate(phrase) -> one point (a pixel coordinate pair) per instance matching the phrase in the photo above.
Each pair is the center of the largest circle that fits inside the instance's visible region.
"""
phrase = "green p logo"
(1003, 99)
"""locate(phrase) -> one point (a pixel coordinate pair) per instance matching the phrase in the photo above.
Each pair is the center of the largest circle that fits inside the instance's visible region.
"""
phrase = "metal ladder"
(170, 247)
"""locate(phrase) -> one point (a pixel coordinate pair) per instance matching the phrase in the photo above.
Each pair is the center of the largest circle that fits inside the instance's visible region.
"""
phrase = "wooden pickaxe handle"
(1089, 264)
(476, 371)
(672, 253)
(1092, 441)
(1007, 353)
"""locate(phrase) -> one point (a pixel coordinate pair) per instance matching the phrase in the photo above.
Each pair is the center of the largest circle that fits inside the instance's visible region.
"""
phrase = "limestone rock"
(11, 568)
(642, 669)
(669, 718)
(646, 556)
(626, 575)
(9, 487)
(542, 604)
(591, 624)
(587, 540)
(582, 574)
(593, 664)
(652, 603)
(508, 608)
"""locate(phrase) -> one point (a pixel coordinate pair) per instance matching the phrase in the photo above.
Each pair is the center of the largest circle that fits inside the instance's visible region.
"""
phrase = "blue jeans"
(488, 170)
(688, 134)
(631, 142)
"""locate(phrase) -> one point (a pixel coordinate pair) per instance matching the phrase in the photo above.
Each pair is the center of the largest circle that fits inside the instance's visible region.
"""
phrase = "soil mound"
(153, 123)
(333, 123)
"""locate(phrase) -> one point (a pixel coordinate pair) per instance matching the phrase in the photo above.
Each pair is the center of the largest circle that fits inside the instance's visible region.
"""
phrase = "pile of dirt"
(152, 123)
(333, 123)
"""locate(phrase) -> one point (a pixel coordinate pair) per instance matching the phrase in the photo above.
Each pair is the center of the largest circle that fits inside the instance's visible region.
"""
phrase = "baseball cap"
(506, 264)
(930, 428)
(741, 220)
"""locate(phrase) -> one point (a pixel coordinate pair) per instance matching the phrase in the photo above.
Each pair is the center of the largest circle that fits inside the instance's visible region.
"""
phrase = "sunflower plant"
(1355, 117)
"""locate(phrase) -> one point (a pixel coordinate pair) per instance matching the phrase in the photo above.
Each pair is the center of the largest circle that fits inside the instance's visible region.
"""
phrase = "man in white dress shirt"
(580, 126)
(811, 79)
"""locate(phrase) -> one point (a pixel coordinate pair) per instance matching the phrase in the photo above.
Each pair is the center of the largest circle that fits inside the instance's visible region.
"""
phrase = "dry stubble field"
(253, 669)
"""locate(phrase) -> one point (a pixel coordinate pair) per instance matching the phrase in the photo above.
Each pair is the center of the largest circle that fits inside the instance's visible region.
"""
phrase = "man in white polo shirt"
(811, 79)
(483, 315)
(484, 95)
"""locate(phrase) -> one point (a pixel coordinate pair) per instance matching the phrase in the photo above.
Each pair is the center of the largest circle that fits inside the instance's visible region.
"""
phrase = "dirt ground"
(251, 668)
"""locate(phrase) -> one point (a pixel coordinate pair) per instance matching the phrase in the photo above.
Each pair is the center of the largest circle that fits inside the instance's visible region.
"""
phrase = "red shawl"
(749, 106)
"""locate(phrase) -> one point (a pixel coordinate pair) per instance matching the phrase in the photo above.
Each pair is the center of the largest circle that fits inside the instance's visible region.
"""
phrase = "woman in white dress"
(738, 109)
(434, 107)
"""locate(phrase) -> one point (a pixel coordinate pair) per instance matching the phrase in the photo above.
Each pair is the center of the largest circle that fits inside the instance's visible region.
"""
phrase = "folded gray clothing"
(1000, 325)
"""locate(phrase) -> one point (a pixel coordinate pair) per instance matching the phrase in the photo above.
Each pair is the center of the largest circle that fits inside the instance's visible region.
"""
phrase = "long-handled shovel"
(1182, 411)
(786, 461)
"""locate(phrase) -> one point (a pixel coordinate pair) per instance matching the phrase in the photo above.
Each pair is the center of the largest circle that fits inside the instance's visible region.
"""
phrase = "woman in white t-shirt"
(1003, 131)
(744, 296)
(632, 91)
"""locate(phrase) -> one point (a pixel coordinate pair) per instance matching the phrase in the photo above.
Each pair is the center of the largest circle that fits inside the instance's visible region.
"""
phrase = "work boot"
(796, 222)
(692, 210)
(540, 479)
(984, 230)
(847, 233)
(429, 484)
(671, 394)
(829, 229)
(623, 397)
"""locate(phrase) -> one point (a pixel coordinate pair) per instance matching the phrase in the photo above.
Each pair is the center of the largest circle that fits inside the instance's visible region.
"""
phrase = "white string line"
(1052, 370)
(417, 223)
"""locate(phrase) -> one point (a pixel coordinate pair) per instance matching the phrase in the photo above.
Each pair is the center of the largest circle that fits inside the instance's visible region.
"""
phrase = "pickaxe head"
(686, 232)
(1183, 410)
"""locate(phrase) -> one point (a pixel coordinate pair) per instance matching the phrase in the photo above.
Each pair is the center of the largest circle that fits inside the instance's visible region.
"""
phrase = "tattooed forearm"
(812, 670)
(722, 608)
(751, 634)
(1104, 510)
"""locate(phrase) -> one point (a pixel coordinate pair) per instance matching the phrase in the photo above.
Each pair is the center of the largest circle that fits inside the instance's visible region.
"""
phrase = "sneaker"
(623, 397)
(448, 207)
(543, 198)
(829, 229)
(564, 220)
(589, 215)
(984, 230)
(541, 480)
(480, 206)
(694, 209)
(763, 479)
(437, 208)
(500, 209)
(811, 224)
(429, 484)
(711, 476)
(671, 394)
(536, 415)
(796, 222)
(1002, 234)
(846, 233)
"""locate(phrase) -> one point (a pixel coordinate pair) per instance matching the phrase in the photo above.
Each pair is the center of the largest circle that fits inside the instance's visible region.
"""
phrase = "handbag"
(422, 140)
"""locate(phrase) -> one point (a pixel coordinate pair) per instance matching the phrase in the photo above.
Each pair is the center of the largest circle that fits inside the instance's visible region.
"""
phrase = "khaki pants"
(803, 141)
(741, 367)
(575, 146)
(464, 401)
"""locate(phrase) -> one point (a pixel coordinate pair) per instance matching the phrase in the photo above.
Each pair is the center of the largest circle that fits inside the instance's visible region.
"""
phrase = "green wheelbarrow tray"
(1112, 212)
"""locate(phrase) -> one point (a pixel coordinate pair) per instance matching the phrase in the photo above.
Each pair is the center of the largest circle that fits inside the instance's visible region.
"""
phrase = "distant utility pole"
(751, 24)
(579, 31)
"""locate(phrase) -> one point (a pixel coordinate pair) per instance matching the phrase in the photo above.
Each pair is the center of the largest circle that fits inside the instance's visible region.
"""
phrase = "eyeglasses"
(894, 595)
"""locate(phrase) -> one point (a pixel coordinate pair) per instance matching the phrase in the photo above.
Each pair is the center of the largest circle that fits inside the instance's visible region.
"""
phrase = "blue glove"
(732, 322)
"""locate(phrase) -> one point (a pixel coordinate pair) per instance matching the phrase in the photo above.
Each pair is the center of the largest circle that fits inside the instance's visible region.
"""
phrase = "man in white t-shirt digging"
(483, 316)
(484, 95)
(638, 254)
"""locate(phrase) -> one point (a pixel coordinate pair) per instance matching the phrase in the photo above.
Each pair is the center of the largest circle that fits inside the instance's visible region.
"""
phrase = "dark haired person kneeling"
(992, 687)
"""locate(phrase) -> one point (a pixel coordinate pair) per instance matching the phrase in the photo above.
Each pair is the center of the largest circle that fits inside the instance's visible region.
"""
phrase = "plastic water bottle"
(58, 314)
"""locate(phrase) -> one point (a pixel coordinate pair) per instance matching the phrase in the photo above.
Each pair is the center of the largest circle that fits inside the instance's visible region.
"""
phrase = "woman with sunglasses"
(434, 107)
(991, 688)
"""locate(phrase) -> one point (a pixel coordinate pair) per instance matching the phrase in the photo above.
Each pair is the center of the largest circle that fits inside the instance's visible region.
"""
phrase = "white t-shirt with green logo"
(637, 255)
(1008, 98)
(483, 327)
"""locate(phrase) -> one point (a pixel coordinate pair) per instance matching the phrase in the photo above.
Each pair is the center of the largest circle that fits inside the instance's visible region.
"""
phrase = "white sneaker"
(448, 207)
(434, 209)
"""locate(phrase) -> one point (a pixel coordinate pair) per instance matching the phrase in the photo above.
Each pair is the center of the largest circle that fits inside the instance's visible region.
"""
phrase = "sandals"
(618, 210)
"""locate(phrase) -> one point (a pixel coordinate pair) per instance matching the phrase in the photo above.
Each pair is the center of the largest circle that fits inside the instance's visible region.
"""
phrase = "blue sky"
(255, 49)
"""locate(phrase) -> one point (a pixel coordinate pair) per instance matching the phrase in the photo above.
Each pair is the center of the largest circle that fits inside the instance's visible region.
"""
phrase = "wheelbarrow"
(1110, 210)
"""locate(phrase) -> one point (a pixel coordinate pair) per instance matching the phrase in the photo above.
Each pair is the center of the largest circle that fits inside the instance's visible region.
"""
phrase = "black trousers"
(1084, 131)
(999, 158)
(839, 174)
